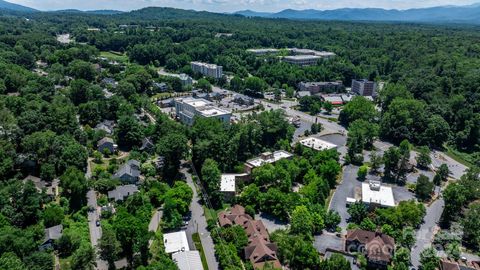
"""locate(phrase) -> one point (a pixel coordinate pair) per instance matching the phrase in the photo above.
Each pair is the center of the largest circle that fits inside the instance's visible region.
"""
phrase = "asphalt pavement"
(95, 231)
(198, 223)
(345, 189)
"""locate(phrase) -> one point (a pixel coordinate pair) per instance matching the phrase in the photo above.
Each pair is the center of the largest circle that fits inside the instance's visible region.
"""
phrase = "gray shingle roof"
(54, 233)
(121, 192)
(131, 167)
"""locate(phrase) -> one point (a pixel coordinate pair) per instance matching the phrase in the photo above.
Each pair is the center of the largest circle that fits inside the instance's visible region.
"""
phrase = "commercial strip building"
(317, 144)
(263, 51)
(374, 194)
(188, 108)
(259, 250)
(175, 242)
(302, 60)
(209, 70)
(265, 158)
(364, 88)
(188, 260)
(321, 87)
(228, 183)
(292, 51)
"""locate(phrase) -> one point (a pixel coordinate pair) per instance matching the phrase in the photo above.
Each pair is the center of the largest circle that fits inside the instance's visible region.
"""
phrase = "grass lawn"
(199, 247)
(209, 213)
(458, 156)
(115, 56)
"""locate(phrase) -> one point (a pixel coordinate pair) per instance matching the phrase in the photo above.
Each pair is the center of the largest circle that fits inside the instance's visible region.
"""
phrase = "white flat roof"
(188, 260)
(175, 242)
(204, 64)
(276, 156)
(196, 102)
(227, 183)
(374, 192)
(317, 144)
(212, 111)
(302, 57)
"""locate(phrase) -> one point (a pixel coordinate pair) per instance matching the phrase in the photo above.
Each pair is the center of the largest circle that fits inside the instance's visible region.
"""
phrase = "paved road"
(427, 231)
(198, 223)
(95, 232)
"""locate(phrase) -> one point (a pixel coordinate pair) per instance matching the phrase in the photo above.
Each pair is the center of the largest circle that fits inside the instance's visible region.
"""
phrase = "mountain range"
(4, 5)
(470, 14)
(457, 14)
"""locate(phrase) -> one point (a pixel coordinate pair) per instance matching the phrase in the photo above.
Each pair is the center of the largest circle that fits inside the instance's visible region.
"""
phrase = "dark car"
(97, 223)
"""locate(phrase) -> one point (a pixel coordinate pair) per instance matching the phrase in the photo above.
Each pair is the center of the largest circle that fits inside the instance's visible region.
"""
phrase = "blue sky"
(235, 5)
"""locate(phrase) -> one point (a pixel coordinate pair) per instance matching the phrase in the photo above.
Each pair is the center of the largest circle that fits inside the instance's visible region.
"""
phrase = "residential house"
(109, 81)
(105, 125)
(120, 193)
(160, 87)
(186, 80)
(129, 172)
(51, 234)
(446, 264)
(147, 145)
(50, 188)
(260, 251)
(377, 247)
(106, 144)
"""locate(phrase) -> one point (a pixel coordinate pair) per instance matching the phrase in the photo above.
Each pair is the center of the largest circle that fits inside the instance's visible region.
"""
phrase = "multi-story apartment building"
(209, 70)
(188, 108)
(364, 88)
(321, 87)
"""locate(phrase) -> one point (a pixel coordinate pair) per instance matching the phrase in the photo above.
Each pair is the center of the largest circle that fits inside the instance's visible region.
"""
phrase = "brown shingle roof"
(259, 250)
(378, 246)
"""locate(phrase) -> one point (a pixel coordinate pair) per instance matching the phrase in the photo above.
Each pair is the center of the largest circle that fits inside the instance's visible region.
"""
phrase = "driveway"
(427, 230)
(327, 240)
(198, 223)
(271, 223)
(344, 190)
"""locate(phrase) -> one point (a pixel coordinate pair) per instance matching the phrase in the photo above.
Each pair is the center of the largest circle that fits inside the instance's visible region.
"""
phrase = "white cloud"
(234, 5)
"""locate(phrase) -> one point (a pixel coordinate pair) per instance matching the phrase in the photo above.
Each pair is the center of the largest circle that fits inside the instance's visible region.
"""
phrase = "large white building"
(188, 260)
(188, 108)
(209, 70)
(175, 242)
(317, 144)
(266, 158)
(374, 195)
